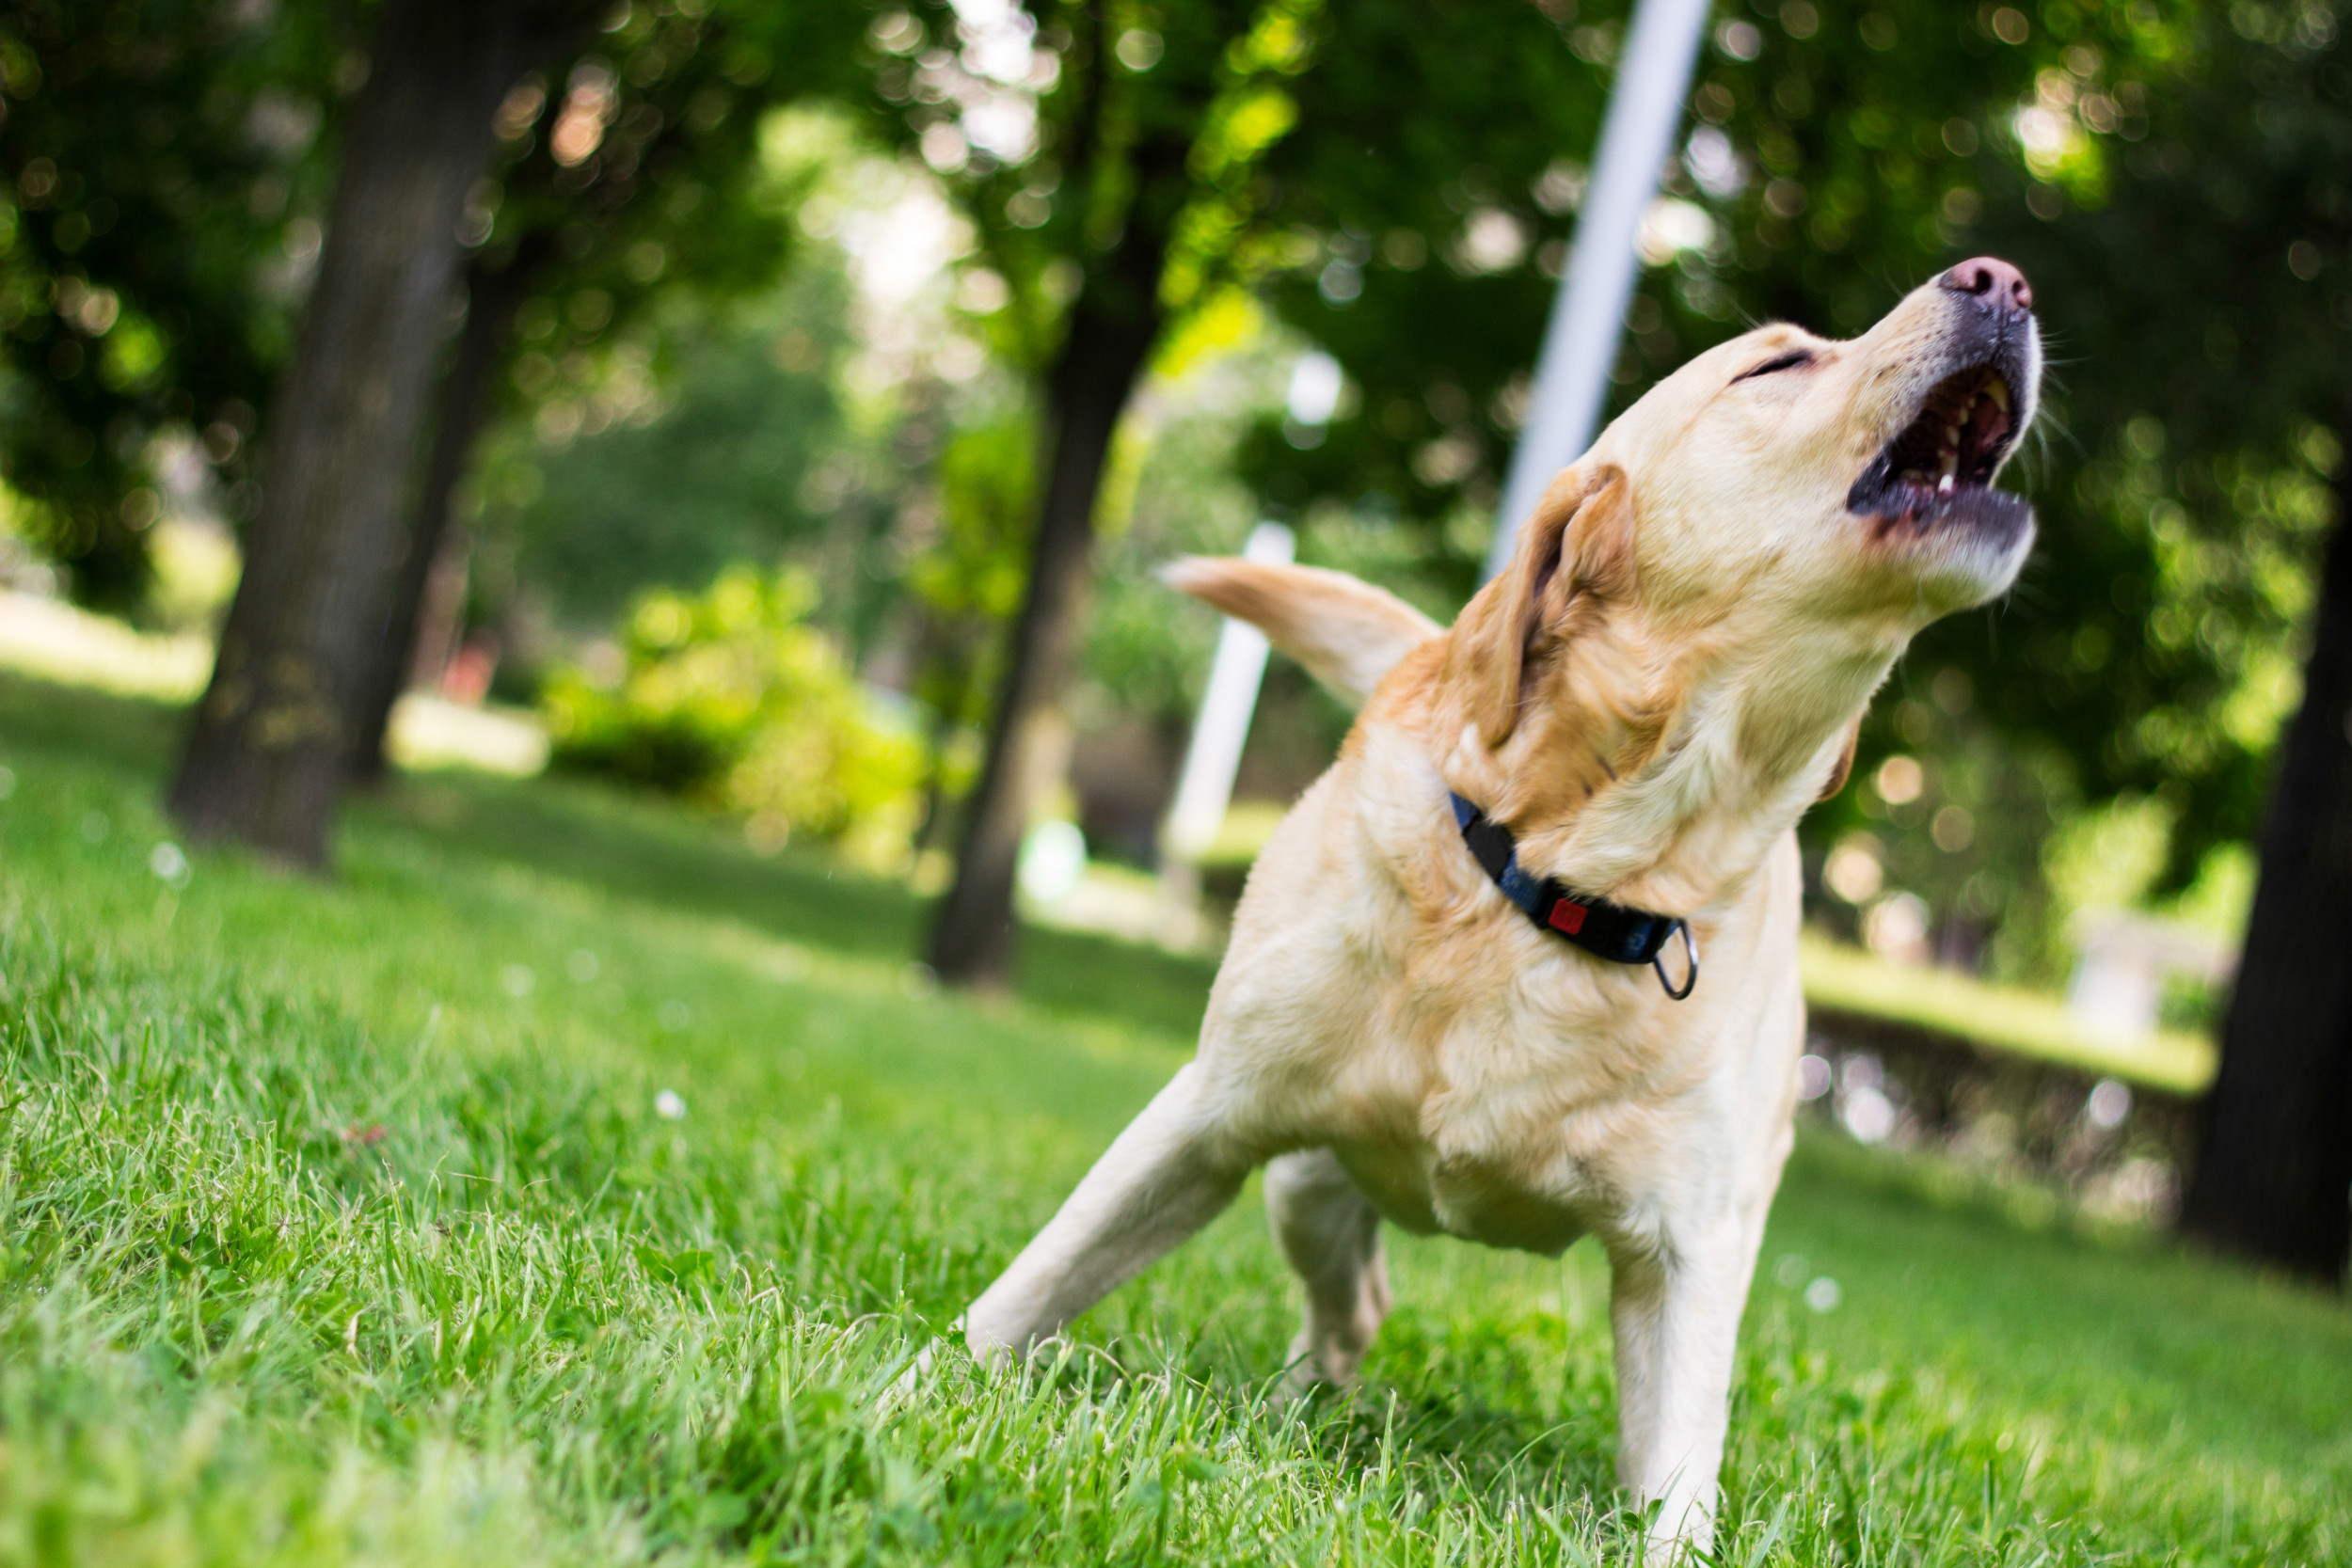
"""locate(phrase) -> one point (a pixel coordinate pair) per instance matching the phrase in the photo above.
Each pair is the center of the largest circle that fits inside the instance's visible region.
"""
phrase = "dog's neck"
(1658, 772)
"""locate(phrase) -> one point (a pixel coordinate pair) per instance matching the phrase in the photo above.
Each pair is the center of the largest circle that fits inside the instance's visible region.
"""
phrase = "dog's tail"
(1347, 632)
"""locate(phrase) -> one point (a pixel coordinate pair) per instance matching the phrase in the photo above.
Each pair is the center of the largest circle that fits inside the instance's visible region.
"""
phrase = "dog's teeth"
(1945, 488)
(1998, 390)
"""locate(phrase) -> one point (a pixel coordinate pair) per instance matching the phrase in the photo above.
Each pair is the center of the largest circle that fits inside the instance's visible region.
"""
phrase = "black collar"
(1607, 930)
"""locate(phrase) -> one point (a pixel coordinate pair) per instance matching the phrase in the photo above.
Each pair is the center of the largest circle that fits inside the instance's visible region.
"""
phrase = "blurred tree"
(644, 182)
(164, 170)
(493, 293)
(1108, 158)
(2276, 1159)
(267, 756)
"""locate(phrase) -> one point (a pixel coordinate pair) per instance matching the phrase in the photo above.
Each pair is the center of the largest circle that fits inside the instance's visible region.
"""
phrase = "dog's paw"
(1311, 1369)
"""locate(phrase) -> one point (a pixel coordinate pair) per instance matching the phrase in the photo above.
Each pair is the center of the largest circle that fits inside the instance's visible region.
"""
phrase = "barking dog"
(1465, 992)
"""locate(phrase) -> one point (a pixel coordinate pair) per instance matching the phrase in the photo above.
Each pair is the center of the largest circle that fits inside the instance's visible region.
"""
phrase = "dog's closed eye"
(1782, 362)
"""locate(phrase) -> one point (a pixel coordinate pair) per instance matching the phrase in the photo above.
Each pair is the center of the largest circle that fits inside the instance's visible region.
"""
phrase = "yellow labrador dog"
(1523, 966)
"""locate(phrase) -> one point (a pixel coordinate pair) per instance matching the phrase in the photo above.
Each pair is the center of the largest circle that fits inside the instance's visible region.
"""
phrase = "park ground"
(563, 1184)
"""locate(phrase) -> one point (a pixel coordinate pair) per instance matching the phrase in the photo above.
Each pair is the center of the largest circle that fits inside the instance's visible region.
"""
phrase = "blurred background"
(785, 409)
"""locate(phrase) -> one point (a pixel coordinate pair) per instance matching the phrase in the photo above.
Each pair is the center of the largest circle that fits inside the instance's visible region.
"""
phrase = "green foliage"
(1398, 154)
(731, 699)
(1106, 158)
(343, 1223)
(1150, 122)
(1219, 241)
(987, 501)
(738, 450)
(164, 174)
(630, 173)
(634, 207)
(2180, 203)
(167, 174)
(969, 576)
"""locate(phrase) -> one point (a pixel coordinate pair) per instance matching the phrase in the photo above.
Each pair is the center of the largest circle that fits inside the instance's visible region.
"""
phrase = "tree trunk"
(492, 298)
(1111, 332)
(267, 756)
(2274, 1175)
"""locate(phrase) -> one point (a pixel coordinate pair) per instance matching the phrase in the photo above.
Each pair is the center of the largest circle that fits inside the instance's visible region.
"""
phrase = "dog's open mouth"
(1940, 467)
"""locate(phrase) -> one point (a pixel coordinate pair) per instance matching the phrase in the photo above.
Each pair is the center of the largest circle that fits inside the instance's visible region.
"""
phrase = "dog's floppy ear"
(1579, 542)
(1844, 771)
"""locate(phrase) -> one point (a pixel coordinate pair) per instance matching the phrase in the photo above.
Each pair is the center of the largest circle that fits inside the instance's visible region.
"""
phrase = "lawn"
(563, 1184)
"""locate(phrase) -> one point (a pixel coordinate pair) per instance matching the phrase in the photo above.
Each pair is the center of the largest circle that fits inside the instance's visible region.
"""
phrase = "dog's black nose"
(1997, 284)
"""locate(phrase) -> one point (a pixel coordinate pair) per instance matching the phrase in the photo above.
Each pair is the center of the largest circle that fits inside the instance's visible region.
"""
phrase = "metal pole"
(1588, 313)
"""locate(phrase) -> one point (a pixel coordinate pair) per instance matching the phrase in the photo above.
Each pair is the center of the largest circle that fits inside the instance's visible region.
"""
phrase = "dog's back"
(1347, 632)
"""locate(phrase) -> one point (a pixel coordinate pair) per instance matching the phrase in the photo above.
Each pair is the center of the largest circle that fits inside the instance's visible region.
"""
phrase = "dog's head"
(1758, 536)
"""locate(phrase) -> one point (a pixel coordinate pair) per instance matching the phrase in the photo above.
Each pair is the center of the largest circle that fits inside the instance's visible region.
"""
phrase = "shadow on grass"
(1473, 1387)
(1492, 1450)
(1452, 1401)
(651, 851)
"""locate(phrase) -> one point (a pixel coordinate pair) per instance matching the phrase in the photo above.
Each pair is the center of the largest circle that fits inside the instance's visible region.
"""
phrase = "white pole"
(1206, 786)
(1588, 313)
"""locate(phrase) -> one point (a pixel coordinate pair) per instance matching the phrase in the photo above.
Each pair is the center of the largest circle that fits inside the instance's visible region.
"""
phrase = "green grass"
(338, 1222)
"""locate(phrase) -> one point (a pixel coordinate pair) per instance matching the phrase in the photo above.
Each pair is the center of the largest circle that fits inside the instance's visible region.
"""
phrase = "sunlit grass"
(345, 1222)
(2023, 1023)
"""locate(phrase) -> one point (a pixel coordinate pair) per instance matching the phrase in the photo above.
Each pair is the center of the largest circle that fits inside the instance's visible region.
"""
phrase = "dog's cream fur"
(1668, 674)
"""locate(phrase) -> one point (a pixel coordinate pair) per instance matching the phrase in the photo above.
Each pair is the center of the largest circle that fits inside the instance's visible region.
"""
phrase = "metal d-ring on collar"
(1604, 930)
(1691, 947)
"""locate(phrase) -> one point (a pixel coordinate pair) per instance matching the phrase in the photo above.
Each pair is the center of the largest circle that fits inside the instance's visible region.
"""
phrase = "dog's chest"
(1522, 1130)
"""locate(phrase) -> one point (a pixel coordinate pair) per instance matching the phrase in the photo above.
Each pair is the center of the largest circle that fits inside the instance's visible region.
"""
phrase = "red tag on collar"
(1566, 915)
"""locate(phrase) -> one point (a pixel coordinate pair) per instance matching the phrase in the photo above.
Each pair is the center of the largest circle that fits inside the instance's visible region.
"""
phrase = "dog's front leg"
(1675, 1311)
(1173, 1169)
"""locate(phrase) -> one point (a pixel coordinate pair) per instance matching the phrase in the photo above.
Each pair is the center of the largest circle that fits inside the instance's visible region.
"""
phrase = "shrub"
(731, 699)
